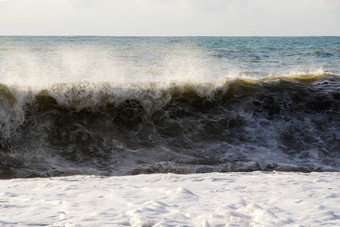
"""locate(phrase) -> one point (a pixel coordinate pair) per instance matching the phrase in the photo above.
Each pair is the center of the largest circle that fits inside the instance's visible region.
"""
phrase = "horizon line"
(169, 35)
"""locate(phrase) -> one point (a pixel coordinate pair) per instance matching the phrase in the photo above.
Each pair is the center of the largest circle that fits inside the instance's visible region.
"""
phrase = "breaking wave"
(287, 123)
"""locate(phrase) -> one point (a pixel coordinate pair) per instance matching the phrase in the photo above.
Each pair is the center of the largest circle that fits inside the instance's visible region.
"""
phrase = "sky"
(170, 17)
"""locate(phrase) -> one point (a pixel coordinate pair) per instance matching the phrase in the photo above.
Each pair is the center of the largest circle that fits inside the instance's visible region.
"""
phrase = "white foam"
(242, 199)
(317, 71)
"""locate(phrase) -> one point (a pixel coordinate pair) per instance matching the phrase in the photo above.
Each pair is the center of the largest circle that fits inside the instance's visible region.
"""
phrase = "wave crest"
(284, 123)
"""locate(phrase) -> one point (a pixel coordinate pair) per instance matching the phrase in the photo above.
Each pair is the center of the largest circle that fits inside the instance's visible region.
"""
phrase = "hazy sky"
(170, 17)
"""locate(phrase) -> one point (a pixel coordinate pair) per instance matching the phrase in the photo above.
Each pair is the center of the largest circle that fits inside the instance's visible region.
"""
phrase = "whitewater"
(213, 199)
(159, 131)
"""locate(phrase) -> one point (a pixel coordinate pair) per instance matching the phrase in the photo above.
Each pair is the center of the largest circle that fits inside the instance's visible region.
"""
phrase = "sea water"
(130, 105)
(80, 115)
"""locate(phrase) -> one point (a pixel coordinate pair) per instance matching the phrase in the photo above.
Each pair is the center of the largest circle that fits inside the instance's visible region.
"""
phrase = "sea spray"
(284, 123)
(128, 105)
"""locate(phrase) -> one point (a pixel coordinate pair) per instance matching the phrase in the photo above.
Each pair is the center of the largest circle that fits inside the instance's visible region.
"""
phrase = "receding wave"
(287, 123)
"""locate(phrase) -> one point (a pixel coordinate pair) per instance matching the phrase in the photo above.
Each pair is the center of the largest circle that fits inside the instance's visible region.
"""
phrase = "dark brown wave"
(279, 123)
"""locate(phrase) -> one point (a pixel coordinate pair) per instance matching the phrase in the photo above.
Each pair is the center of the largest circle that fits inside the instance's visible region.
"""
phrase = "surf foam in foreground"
(238, 199)
(107, 108)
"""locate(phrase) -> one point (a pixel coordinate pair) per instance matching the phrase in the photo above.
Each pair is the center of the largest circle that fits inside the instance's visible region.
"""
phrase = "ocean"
(97, 110)
(130, 105)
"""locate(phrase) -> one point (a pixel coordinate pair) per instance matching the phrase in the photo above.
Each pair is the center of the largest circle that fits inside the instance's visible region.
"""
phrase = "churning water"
(128, 105)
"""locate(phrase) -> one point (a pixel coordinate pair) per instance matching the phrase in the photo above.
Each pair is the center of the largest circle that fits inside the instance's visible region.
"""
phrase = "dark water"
(67, 127)
(289, 124)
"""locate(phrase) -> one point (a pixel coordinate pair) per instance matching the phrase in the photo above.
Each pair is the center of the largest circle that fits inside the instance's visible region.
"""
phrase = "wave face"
(278, 123)
(128, 105)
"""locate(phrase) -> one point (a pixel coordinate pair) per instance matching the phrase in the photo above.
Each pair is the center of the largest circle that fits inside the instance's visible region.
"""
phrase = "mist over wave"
(117, 106)
(283, 123)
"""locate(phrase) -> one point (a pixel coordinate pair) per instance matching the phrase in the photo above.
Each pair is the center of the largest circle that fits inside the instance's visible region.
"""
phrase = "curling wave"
(286, 123)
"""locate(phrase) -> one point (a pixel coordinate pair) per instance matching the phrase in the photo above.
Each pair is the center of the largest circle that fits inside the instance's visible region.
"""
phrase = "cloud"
(84, 3)
(170, 17)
